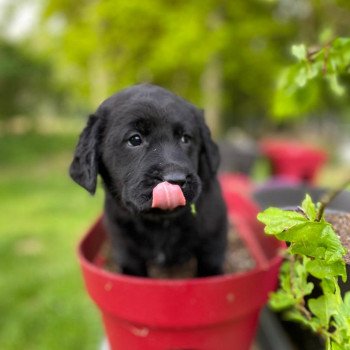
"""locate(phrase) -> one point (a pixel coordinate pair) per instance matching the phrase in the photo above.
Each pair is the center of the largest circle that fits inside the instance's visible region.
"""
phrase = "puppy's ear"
(84, 167)
(209, 158)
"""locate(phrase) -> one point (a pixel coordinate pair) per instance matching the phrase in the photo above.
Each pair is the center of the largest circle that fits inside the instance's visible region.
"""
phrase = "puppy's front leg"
(134, 268)
(208, 266)
(138, 269)
(210, 259)
(131, 264)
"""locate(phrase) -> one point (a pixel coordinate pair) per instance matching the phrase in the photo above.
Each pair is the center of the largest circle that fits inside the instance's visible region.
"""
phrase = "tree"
(23, 81)
(198, 48)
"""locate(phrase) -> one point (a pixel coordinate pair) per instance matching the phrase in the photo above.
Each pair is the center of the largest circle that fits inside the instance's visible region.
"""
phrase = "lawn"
(43, 304)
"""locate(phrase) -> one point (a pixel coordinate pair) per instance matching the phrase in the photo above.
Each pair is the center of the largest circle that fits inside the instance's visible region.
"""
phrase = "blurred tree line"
(223, 55)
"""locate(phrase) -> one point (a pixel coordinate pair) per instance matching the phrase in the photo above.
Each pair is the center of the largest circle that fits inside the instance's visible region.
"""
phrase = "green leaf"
(328, 286)
(322, 269)
(324, 308)
(319, 241)
(336, 346)
(193, 209)
(335, 86)
(308, 248)
(299, 51)
(291, 101)
(347, 299)
(304, 233)
(281, 300)
(284, 276)
(302, 77)
(312, 71)
(346, 306)
(309, 208)
(296, 316)
(334, 248)
(277, 220)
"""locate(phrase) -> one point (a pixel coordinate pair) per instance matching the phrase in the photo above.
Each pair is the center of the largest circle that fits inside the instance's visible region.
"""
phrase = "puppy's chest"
(170, 243)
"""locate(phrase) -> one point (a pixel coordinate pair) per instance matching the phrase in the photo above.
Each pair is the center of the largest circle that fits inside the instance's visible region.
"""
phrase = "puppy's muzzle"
(176, 178)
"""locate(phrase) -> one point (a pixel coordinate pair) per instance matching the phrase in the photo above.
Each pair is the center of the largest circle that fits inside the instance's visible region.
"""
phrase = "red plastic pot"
(293, 161)
(213, 313)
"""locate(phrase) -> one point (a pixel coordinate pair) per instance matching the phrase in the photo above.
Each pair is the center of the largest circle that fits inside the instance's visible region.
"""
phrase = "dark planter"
(293, 161)
(202, 313)
(292, 196)
(238, 157)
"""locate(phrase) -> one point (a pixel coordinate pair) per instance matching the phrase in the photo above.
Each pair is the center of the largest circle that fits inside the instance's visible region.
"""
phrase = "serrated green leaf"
(322, 269)
(317, 240)
(285, 281)
(304, 232)
(299, 51)
(308, 288)
(309, 208)
(324, 308)
(281, 300)
(330, 240)
(309, 248)
(277, 220)
(328, 285)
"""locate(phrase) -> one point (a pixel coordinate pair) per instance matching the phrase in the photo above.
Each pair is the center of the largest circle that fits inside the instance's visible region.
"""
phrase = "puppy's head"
(141, 137)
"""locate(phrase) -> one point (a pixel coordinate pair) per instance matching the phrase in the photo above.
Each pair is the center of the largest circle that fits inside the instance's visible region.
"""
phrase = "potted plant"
(293, 161)
(218, 312)
(310, 292)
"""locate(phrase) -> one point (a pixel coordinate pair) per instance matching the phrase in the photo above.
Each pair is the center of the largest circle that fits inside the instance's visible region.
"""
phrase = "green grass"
(43, 304)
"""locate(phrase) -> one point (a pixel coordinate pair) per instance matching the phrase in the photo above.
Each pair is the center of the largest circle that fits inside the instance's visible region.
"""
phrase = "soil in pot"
(341, 224)
(238, 259)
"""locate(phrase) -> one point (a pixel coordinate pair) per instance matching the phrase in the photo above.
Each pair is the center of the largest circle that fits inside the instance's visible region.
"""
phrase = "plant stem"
(304, 311)
(329, 196)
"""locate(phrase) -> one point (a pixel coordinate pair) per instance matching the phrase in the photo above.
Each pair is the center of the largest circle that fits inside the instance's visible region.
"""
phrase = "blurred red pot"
(294, 161)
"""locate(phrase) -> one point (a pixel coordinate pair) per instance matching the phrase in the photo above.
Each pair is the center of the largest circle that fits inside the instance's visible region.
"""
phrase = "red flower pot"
(213, 313)
(293, 161)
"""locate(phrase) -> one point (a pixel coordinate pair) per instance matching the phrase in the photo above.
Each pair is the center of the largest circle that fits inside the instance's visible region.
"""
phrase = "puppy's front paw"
(138, 269)
(205, 269)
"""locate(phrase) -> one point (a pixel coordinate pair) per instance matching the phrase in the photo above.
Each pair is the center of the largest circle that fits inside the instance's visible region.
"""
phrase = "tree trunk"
(211, 86)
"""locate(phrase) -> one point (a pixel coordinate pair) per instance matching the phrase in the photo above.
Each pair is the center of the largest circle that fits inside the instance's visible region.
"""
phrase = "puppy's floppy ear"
(84, 167)
(209, 158)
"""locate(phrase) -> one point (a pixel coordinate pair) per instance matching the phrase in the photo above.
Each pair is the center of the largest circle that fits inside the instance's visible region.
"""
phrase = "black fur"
(177, 147)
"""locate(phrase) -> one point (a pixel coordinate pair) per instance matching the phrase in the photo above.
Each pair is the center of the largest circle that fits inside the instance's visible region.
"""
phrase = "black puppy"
(141, 137)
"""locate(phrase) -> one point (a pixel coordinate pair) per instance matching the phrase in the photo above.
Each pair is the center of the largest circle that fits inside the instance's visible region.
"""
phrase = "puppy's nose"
(176, 178)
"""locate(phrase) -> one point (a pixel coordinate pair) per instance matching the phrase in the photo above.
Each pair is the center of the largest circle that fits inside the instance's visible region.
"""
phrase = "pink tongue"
(167, 196)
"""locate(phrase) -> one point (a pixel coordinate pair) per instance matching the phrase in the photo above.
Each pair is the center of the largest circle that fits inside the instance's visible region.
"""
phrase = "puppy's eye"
(135, 140)
(185, 138)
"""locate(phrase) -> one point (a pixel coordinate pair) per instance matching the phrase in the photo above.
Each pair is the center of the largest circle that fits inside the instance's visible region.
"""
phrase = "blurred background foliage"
(266, 66)
(223, 55)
